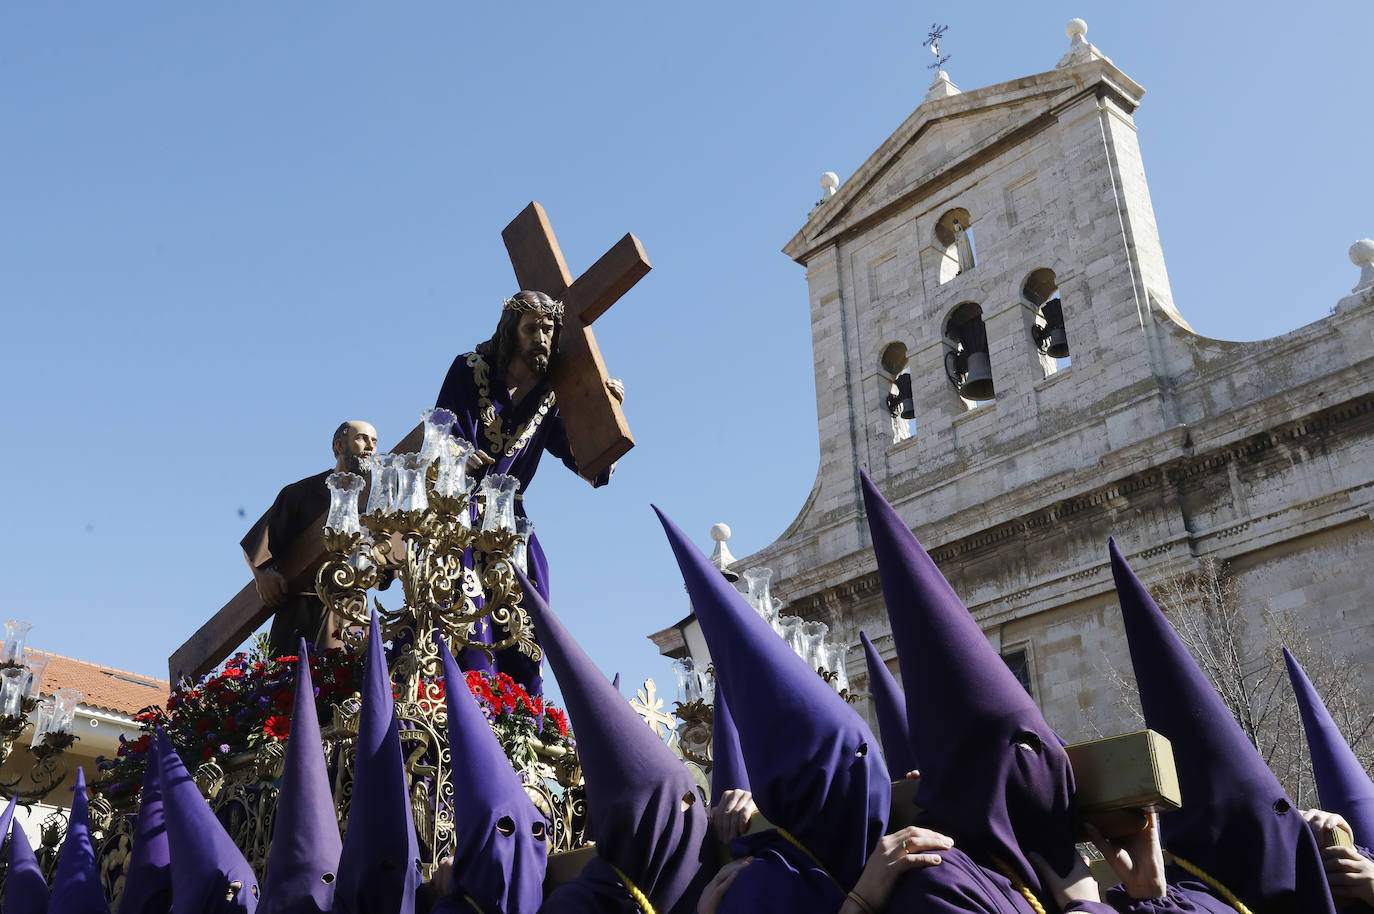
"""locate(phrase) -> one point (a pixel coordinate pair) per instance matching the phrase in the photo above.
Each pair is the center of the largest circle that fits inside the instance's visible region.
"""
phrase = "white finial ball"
(829, 181)
(720, 532)
(1362, 252)
(1076, 28)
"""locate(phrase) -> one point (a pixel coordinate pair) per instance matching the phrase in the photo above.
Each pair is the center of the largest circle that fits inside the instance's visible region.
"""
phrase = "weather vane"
(933, 42)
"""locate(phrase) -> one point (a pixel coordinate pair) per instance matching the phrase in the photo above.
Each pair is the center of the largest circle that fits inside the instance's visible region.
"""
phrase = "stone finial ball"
(829, 181)
(1362, 252)
(720, 532)
(1076, 28)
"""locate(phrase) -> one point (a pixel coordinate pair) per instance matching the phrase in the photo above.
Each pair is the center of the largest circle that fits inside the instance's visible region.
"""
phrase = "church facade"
(997, 345)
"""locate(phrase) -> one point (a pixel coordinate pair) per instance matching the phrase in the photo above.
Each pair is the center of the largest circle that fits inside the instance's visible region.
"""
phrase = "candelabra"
(20, 679)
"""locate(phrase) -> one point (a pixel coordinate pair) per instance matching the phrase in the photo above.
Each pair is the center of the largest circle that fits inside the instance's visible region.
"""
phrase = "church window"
(1017, 660)
(899, 403)
(967, 362)
(1041, 293)
(954, 234)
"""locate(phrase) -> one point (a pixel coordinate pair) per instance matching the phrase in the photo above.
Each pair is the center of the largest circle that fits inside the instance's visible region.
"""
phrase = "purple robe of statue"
(516, 436)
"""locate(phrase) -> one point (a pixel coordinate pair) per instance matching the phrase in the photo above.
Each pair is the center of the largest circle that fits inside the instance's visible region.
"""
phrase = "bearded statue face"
(534, 337)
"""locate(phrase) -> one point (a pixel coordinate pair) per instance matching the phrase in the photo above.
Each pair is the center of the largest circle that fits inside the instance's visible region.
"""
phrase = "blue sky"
(225, 228)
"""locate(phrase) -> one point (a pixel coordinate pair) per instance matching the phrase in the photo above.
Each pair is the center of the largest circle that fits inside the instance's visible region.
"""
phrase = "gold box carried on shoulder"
(1121, 777)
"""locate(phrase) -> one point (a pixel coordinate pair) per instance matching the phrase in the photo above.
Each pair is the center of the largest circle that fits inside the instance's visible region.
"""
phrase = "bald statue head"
(353, 441)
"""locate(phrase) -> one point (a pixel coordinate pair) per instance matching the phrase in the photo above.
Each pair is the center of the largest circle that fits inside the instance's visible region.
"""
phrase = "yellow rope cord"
(792, 840)
(475, 906)
(639, 897)
(1226, 894)
(1020, 886)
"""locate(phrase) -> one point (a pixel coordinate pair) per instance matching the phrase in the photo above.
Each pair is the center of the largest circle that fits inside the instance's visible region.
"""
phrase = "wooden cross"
(596, 426)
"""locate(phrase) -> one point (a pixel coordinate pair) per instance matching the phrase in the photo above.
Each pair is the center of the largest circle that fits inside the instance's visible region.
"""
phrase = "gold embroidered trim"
(500, 442)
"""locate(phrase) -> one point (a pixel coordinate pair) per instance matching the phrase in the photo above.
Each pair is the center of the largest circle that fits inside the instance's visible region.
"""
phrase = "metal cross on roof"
(933, 42)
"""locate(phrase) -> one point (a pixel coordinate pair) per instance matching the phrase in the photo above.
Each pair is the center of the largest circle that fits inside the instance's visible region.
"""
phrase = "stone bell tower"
(996, 342)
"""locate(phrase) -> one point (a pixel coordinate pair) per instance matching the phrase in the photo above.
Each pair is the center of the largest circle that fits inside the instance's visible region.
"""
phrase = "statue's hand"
(480, 459)
(617, 389)
(271, 586)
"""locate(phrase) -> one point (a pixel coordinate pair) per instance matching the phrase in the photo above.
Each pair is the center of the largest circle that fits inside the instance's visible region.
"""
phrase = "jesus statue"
(501, 396)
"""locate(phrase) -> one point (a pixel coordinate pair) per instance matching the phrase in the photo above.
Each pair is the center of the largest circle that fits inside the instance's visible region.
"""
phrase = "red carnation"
(277, 727)
(203, 724)
(343, 674)
(207, 752)
(283, 700)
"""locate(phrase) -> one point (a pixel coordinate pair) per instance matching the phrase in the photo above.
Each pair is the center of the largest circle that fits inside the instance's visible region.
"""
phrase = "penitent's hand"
(730, 817)
(1078, 885)
(1137, 860)
(1350, 874)
(1319, 820)
(715, 889)
(271, 586)
(617, 388)
(479, 459)
(909, 848)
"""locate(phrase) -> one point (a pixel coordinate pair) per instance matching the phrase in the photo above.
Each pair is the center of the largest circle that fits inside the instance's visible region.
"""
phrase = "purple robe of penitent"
(1236, 823)
(643, 810)
(148, 875)
(516, 435)
(812, 762)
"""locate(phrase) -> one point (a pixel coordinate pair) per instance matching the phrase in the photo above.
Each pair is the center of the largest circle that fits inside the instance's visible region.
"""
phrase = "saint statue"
(505, 406)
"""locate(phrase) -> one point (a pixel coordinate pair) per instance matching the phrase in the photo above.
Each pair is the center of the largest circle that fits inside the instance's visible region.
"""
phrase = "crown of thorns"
(554, 308)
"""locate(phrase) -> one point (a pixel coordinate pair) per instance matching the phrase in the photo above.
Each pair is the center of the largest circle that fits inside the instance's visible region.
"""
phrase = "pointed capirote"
(1343, 786)
(76, 884)
(1237, 823)
(728, 771)
(209, 873)
(148, 876)
(304, 860)
(889, 705)
(26, 891)
(993, 774)
(813, 763)
(7, 818)
(500, 840)
(642, 805)
(379, 863)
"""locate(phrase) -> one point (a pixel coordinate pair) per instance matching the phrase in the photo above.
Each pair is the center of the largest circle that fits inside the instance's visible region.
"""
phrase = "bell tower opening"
(967, 362)
(901, 406)
(954, 233)
(1041, 292)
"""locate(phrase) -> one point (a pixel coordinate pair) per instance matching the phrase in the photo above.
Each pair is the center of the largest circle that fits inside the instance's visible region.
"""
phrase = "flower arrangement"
(249, 700)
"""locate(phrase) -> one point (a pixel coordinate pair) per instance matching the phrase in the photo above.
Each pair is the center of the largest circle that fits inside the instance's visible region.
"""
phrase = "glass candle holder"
(452, 479)
(520, 553)
(33, 683)
(64, 710)
(498, 509)
(791, 632)
(688, 685)
(834, 662)
(12, 691)
(813, 639)
(381, 493)
(410, 483)
(16, 631)
(42, 721)
(757, 579)
(438, 428)
(344, 489)
(707, 684)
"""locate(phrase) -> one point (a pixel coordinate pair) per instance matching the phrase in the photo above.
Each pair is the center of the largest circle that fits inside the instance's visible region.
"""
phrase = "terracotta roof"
(101, 686)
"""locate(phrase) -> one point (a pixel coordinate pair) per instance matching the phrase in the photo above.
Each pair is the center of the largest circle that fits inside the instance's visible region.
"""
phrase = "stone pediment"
(947, 137)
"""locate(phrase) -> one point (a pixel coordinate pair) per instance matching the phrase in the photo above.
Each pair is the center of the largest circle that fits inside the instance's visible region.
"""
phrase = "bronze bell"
(978, 381)
(1059, 344)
